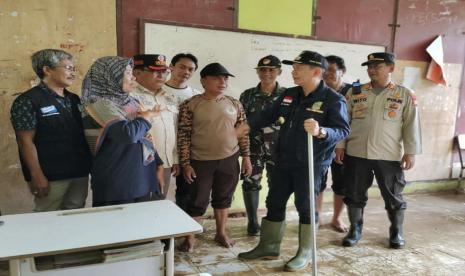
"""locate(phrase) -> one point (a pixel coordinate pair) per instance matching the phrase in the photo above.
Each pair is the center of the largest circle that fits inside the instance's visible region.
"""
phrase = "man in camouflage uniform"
(262, 142)
(384, 139)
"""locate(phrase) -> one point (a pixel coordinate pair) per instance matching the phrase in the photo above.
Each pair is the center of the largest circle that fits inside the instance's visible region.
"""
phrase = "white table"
(40, 234)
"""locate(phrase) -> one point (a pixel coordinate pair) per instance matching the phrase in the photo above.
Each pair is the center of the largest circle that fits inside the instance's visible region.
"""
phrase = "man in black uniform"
(311, 107)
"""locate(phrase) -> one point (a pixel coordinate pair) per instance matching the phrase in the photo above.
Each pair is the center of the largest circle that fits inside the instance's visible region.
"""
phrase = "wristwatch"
(322, 133)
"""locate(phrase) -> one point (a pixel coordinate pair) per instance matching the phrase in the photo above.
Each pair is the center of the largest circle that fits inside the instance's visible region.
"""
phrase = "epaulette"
(356, 88)
(412, 95)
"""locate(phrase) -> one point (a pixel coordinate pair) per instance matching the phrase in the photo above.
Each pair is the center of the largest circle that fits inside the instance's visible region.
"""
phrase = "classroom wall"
(206, 12)
(85, 28)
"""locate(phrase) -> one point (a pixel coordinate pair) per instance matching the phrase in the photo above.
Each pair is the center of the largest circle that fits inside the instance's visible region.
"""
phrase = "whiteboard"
(239, 52)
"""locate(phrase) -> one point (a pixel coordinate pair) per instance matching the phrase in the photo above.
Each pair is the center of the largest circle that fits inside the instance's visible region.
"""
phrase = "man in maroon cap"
(151, 72)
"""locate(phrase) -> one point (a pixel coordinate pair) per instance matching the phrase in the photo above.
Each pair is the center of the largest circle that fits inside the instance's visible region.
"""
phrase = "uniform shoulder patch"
(412, 95)
(366, 86)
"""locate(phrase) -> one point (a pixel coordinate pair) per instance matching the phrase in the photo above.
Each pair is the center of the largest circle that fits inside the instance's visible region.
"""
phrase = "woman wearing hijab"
(125, 161)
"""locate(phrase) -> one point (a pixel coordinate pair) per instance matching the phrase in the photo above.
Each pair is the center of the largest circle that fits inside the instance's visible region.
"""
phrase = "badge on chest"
(316, 107)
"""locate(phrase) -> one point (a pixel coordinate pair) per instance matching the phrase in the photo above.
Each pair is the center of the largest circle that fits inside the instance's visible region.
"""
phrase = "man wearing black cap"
(262, 141)
(209, 149)
(384, 139)
(311, 107)
(151, 71)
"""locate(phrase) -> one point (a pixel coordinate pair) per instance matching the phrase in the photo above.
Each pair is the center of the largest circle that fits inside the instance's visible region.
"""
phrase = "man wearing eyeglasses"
(54, 154)
(151, 72)
(262, 141)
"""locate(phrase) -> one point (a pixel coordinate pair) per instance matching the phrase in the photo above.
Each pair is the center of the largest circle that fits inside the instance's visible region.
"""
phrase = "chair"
(460, 144)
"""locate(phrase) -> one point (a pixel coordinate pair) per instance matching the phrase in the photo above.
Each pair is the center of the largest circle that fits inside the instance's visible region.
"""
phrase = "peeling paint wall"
(438, 109)
(85, 28)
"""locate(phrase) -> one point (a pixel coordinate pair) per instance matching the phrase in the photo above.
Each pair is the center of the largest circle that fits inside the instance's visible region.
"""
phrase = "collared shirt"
(254, 100)
(23, 113)
(384, 125)
(206, 129)
(163, 129)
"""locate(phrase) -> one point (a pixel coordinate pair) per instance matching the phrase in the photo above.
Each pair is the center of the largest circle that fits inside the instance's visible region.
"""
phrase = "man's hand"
(39, 185)
(339, 156)
(149, 114)
(311, 126)
(246, 168)
(175, 170)
(189, 173)
(242, 130)
(407, 162)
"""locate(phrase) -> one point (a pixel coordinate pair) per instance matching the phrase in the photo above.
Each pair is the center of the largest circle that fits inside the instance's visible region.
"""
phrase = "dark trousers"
(288, 180)
(253, 182)
(359, 173)
(337, 174)
(217, 178)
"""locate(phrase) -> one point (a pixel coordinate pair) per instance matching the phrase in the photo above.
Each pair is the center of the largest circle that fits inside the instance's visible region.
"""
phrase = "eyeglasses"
(67, 67)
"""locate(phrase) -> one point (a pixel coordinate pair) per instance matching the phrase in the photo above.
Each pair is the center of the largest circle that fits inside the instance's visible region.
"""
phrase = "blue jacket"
(118, 172)
(323, 105)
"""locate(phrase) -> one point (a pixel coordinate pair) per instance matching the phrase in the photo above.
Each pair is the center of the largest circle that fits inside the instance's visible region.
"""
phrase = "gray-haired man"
(54, 155)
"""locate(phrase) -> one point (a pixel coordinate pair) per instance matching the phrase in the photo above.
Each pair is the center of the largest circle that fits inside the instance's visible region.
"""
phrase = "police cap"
(269, 61)
(380, 58)
(153, 62)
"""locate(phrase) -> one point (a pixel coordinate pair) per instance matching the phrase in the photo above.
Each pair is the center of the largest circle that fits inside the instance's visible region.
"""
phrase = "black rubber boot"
(251, 199)
(269, 246)
(356, 225)
(396, 233)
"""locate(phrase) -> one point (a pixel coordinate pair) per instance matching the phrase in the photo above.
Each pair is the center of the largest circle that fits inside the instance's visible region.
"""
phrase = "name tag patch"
(49, 111)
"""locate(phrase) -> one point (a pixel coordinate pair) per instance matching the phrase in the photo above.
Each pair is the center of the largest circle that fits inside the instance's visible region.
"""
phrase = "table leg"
(170, 259)
(14, 267)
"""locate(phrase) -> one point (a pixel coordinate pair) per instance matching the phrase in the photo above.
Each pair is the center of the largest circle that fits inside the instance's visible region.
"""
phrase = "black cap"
(214, 69)
(269, 61)
(379, 58)
(153, 62)
(310, 58)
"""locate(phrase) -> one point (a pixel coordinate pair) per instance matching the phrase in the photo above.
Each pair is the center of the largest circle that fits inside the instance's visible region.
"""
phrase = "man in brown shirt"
(209, 149)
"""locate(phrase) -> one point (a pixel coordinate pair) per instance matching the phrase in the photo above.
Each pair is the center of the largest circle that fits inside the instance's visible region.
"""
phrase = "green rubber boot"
(269, 246)
(304, 254)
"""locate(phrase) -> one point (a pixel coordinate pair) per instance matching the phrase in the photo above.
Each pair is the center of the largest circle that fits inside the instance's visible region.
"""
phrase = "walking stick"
(312, 202)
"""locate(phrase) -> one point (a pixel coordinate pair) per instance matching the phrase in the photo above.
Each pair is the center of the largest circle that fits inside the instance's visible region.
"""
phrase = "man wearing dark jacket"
(309, 108)
(54, 155)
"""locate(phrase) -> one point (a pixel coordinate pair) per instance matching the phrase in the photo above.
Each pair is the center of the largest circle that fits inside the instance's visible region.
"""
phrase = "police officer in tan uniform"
(384, 139)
